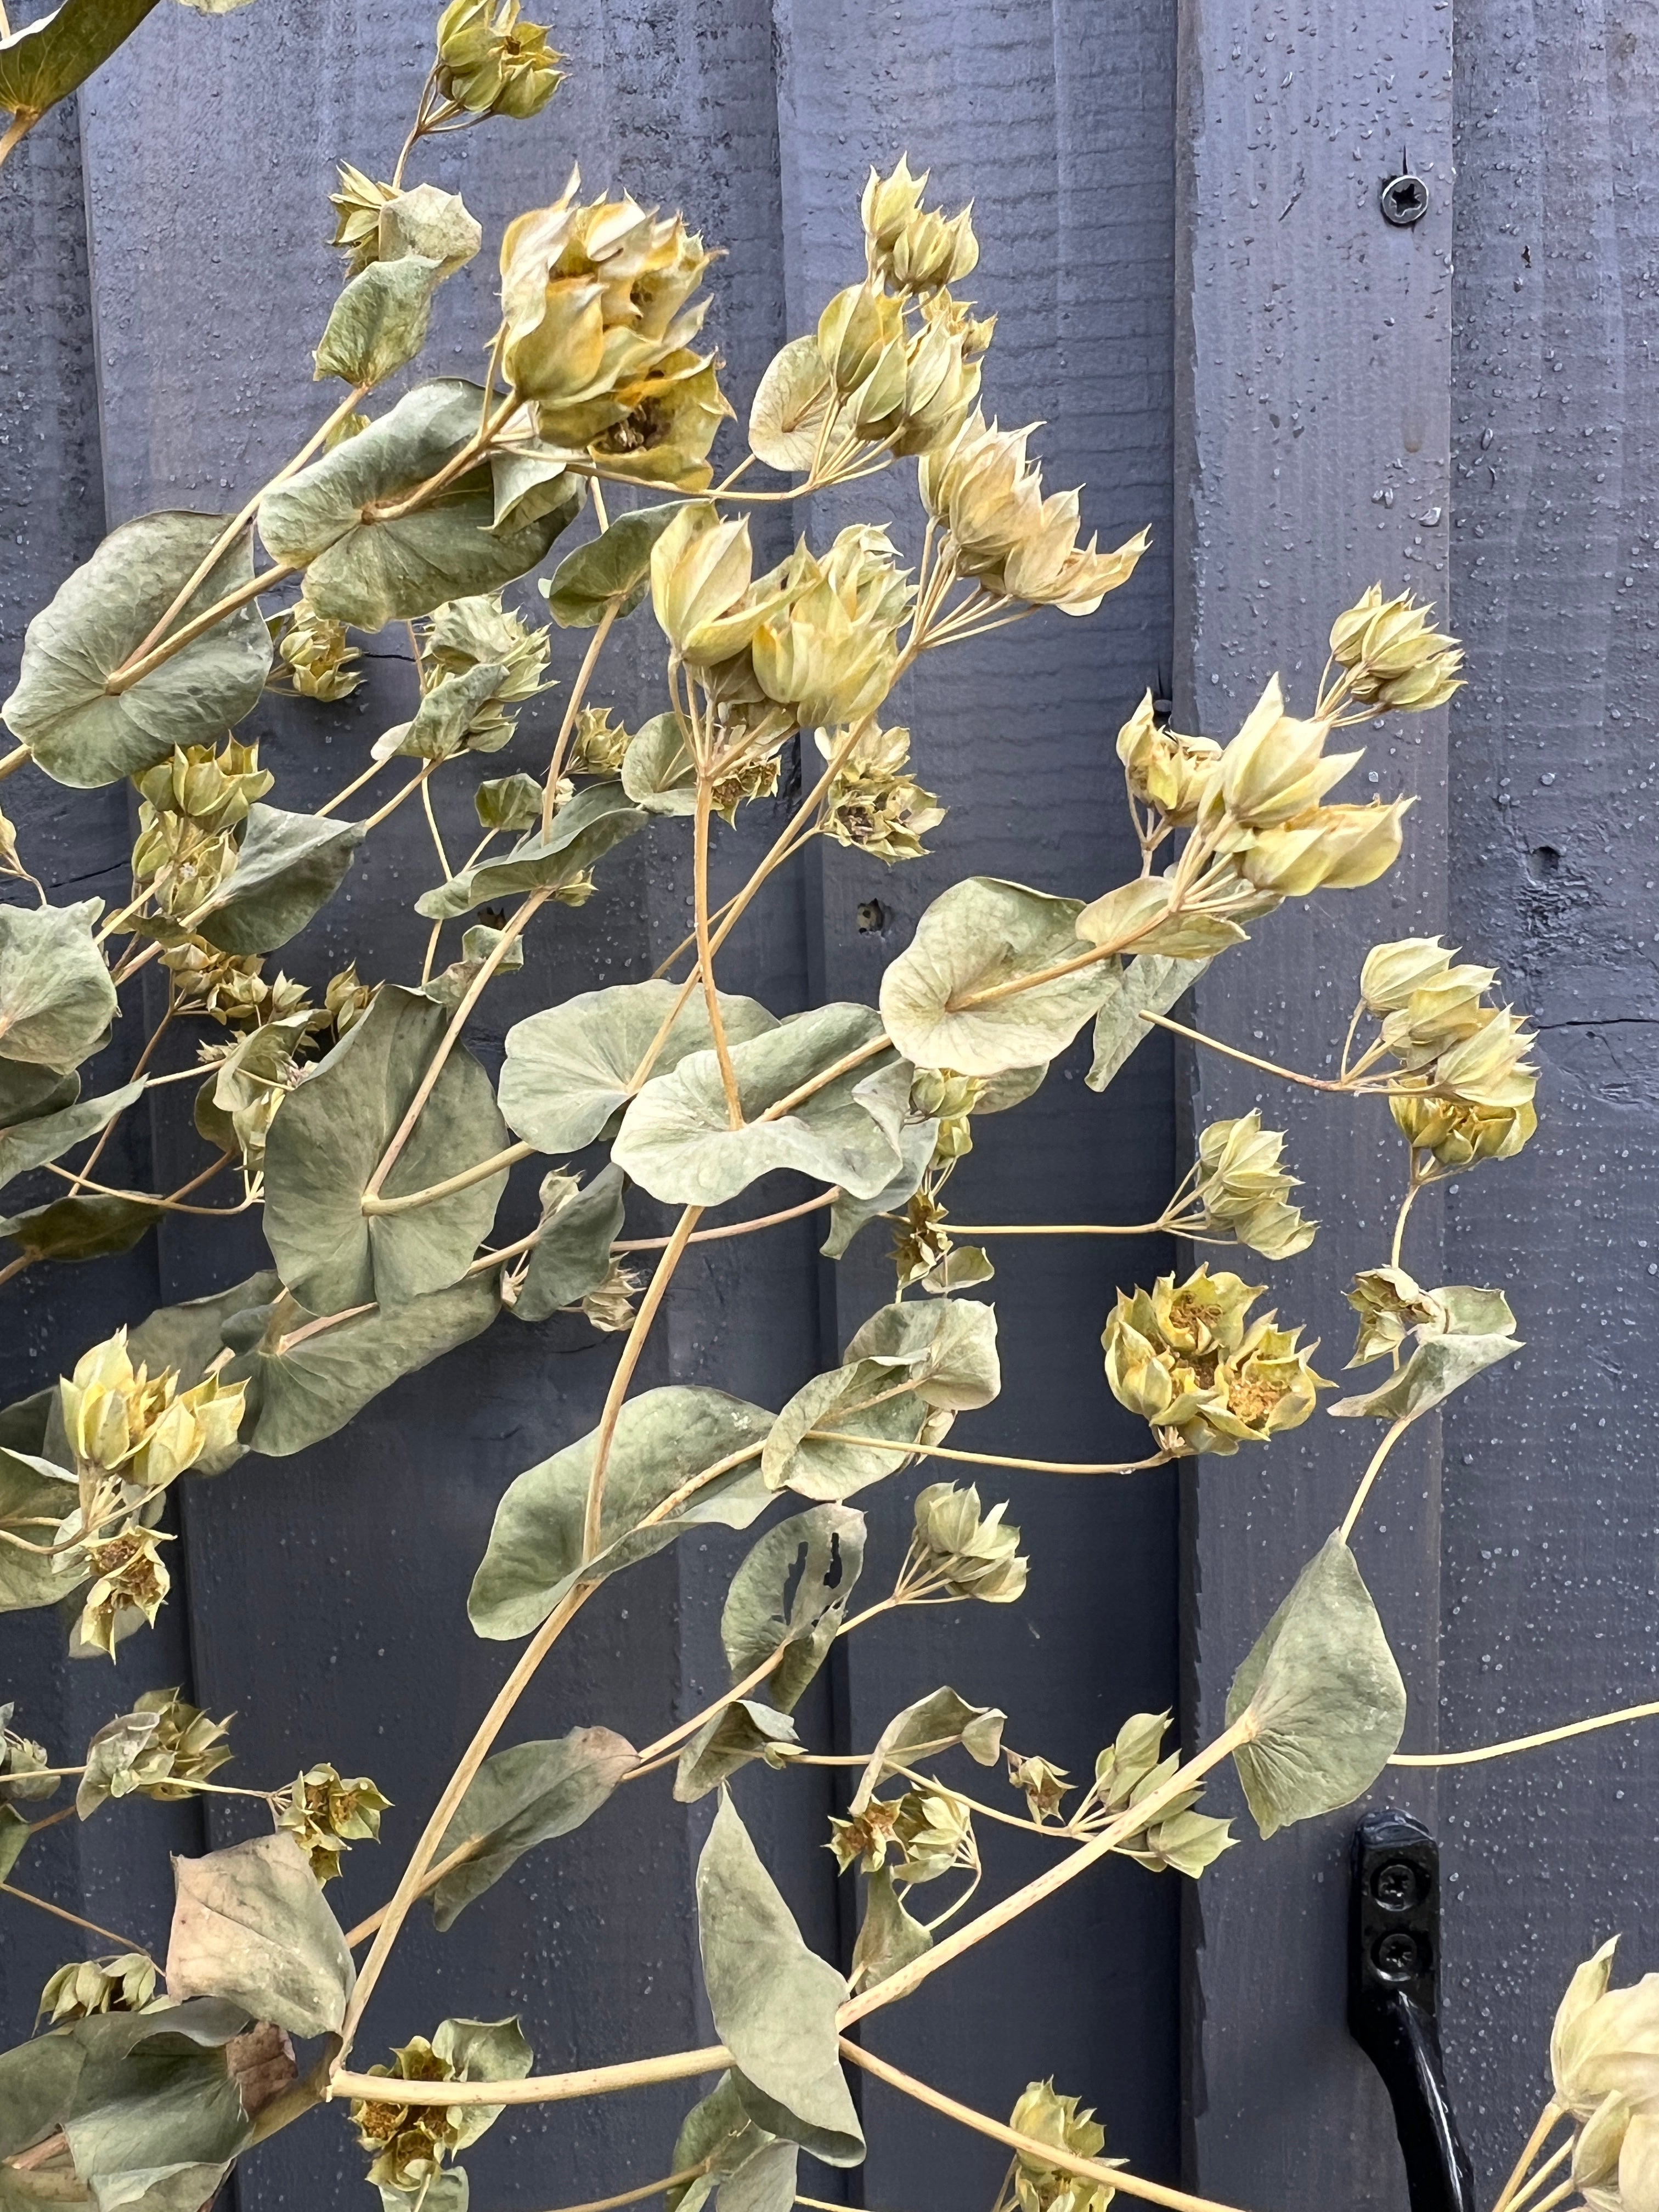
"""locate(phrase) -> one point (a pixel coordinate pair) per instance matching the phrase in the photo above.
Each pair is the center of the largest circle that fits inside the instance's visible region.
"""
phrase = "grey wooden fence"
(1179, 211)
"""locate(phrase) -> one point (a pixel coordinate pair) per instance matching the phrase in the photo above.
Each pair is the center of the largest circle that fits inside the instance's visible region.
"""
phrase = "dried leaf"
(790, 405)
(889, 1938)
(743, 1731)
(947, 1353)
(370, 573)
(573, 1254)
(597, 817)
(57, 1001)
(41, 63)
(1151, 984)
(793, 1589)
(1437, 1366)
(288, 868)
(31, 1489)
(87, 1227)
(931, 1724)
(980, 935)
(84, 736)
(657, 772)
(664, 1440)
(329, 1137)
(613, 568)
(849, 1215)
(875, 1433)
(1326, 1695)
(525, 1796)
(774, 2001)
(678, 1141)
(379, 323)
(250, 1926)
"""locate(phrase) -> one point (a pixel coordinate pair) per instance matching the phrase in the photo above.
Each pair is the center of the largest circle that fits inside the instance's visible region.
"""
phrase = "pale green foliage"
(374, 1150)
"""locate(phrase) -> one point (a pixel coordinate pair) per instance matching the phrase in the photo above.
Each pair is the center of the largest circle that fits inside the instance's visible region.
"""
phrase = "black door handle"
(1394, 1977)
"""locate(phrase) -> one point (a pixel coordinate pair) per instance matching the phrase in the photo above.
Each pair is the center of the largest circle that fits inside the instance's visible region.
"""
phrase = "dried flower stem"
(1546, 2121)
(574, 707)
(1527, 1742)
(705, 952)
(59, 1912)
(593, 1513)
(650, 2188)
(1369, 1476)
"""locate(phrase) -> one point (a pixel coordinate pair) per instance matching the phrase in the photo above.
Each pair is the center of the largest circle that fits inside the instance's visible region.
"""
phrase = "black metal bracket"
(1394, 1973)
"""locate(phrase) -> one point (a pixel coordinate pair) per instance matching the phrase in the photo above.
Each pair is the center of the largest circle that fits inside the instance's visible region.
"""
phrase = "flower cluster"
(1188, 1360)
(1065, 2125)
(192, 805)
(963, 1551)
(596, 297)
(327, 1814)
(927, 1831)
(873, 804)
(87, 1987)
(409, 2142)
(1464, 1089)
(120, 1419)
(1127, 1771)
(1242, 1189)
(1163, 770)
(315, 659)
(1604, 2067)
(1392, 658)
(490, 62)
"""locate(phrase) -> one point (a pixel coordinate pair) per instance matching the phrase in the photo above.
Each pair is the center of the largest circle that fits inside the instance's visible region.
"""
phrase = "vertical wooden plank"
(1055, 120)
(1312, 364)
(1549, 1518)
(51, 516)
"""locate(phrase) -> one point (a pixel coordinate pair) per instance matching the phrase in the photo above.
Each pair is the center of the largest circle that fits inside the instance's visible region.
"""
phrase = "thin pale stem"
(822, 1081)
(408, 1886)
(1527, 1742)
(573, 708)
(432, 825)
(541, 2088)
(733, 1228)
(1000, 1916)
(1363, 1492)
(1232, 1052)
(355, 785)
(139, 1067)
(593, 1513)
(429, 1880)
(1040, 1466)
(1540, 2135)
(1549, 2167)
(59, 1912)
(1059, 1228)
(83, 1183)
(1415, 1185)
(416, 782)
(650, 2188)
(516, 924)
(412, 1200)
(677, 1736)
(14, 760)
(706, 955)
(1101, 2171)
(146, 665)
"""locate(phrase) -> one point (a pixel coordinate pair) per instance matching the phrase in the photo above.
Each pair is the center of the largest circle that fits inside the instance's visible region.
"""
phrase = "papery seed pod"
(1441, 1011)
(20, 1758)
(750, 779)
(410, 2142)
(1068, 2126)
(872, 804)
(610, 1307)
(347, 999)
(89, 1988)
(599, 306)
(462, 634)
(972, 1554)
(1394, 971)
(920, 1241)
(1276, 766)
(598, 744)
(1244, 1189)
(1489, 1069)
(1042, 1785)
(213, 790)
(1186, 1361)
(128, 1578)
(315, 660)
(700, 569)
(866, 1838)
(326, 1814)
(1390, 1304)
(1164, 770)
(358, 206)
(888, 204)
(492, 63)
(1455, 1135)
(187, 1747)
(935, 1832)
(860, 325)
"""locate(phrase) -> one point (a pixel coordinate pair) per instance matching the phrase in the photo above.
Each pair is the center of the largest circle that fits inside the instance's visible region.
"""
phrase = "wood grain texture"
(1550, 1575)
(1055, 120)
(1312, 368)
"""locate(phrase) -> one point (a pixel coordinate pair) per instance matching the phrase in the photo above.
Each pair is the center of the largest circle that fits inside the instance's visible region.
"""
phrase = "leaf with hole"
(792, 1589)
(665, 1440)
(570, 1068)
(57, 1001)
(677, 1138)
(775, 2002)
(84, 736)
(367, 567)
(250, 1926)
(613, 570)
(330, 1137)
(1324, 1695)
(583, 832)
(982, 935)
(528, 1795)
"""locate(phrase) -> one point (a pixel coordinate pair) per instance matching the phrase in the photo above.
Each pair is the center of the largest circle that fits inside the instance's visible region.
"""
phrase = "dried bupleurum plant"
(353, 1123)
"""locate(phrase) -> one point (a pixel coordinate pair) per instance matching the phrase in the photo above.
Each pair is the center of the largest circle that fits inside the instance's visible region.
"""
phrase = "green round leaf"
(250, 1926)
(328, 1140)
(676, 1139)
(613, 570)
(793, 1589)
(657, 771)
(573, 1255)
(569, 1068)
(874, 1432)
(32, 1144)
(82, 735)
(56, 1000)
(521, 1797)
(1150, 984)
(977, 936)
(371, 572)
(379, 323)
(597, 817)
(288, 868)
(790, 405)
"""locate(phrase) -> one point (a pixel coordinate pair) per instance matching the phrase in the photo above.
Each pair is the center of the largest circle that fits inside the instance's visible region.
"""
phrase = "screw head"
(1397, 1885)
(1404, 200)
(1395, 1955)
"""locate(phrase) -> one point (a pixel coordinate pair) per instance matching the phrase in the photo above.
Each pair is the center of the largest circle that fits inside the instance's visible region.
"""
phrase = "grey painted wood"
(1312, 366)
(1550, 1584)
(1055, 120)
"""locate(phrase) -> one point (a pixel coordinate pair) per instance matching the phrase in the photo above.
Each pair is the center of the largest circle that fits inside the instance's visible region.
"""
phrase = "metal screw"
(1404, 200)
(1394, 1956)
(1396, 1885)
